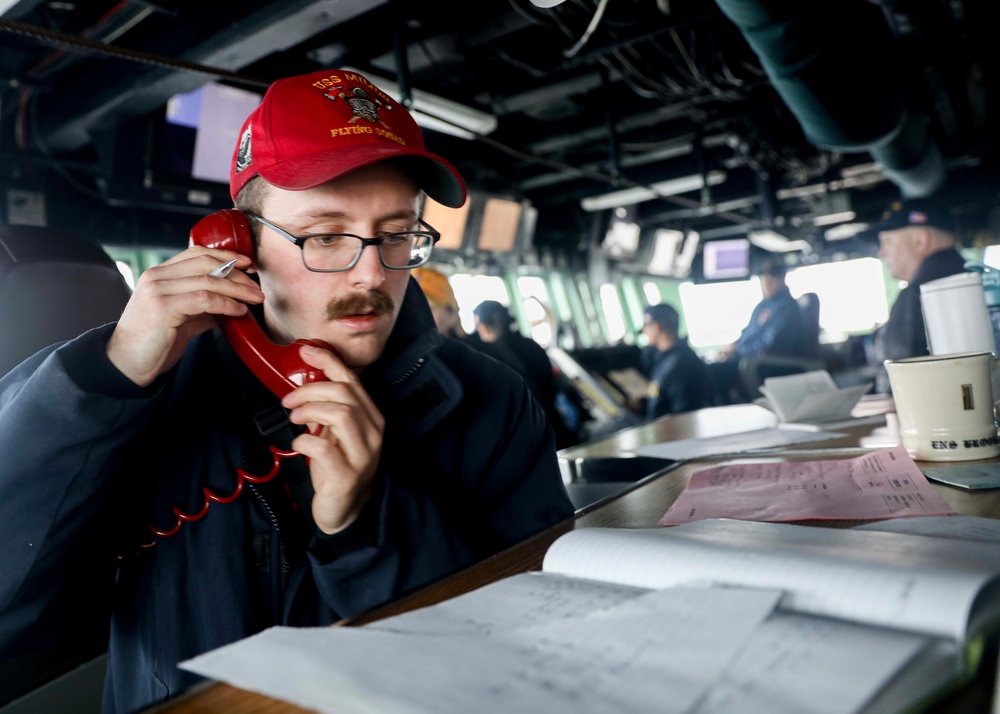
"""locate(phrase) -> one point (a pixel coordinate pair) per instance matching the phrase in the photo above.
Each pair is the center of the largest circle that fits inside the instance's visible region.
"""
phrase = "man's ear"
(920, 240)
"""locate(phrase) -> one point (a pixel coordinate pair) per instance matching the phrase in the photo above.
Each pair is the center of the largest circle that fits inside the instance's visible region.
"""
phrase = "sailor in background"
(918, 242)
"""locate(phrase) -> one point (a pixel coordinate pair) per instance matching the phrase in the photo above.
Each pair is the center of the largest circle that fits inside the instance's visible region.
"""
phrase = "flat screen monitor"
(201, 130)
(687, 254)
(725, 259)
(667, 244)
(449, 222)
(500, 225)
(622, 237)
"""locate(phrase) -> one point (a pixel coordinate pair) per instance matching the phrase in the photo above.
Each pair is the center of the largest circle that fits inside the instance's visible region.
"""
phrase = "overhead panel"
(274, 28)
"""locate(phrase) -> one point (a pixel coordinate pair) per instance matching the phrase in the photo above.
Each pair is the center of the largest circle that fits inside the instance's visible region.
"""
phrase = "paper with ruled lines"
(888, 579)
(655, 652)
(711, 617)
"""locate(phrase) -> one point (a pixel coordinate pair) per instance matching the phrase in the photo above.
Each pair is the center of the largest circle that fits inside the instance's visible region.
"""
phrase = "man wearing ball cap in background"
(918, 242)
(421, 456)
(441, 298)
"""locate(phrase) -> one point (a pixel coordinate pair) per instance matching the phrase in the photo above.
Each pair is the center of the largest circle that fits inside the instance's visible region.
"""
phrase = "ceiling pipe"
(834, 63)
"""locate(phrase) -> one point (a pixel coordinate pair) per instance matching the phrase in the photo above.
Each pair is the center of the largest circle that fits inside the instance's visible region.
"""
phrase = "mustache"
(374, 301)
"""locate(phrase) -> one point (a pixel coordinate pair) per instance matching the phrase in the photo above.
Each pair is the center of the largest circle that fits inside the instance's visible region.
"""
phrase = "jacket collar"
(409, 378)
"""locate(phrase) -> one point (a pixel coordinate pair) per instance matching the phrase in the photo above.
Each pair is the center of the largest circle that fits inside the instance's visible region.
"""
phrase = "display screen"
(499, 228)
(449, 222)
(622, 237)
(201, 131)
(723, 259)
(667, 245)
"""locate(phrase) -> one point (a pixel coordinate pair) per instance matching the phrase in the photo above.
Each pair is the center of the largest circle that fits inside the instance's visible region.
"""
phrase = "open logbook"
(715, 616)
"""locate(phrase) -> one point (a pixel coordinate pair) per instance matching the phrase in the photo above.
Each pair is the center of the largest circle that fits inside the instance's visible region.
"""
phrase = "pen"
(224, 269)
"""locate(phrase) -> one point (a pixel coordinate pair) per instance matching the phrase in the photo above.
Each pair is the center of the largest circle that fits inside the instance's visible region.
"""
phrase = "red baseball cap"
(316, 127)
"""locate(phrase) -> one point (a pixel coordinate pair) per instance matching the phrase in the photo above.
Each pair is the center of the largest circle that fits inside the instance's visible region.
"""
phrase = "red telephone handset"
(279, 367)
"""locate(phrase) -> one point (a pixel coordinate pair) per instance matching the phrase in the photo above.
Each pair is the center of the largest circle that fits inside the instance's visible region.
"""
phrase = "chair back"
(53, 287)
(809, 306)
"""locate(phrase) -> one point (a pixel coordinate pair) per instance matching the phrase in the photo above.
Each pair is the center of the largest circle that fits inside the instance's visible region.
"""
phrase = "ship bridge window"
(991, 256)
(614, 318)
(537, 310)
(716, 313)
(843, 312)
(470, 290)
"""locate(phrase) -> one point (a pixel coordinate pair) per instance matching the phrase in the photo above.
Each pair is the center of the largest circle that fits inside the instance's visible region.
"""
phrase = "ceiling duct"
(834, 63)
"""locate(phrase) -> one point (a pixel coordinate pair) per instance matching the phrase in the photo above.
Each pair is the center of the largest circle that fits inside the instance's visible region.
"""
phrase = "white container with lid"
(955, 315)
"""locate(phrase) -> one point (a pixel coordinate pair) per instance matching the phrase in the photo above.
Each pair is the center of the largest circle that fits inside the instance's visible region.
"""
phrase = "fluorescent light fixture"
(830, 218)
(638, 194)
(844, 231)
(776, 243)
(433, 112)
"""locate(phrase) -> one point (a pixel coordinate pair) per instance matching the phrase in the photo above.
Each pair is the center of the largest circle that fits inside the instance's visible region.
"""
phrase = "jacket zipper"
(286, 568)
(409, 373)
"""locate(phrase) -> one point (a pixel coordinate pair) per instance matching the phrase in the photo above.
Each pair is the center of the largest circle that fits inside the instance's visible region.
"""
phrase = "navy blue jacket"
(467, 468)
(679, 382)
(776, 327)
(904, 334)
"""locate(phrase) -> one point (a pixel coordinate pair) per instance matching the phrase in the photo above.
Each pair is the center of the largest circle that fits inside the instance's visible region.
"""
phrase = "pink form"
(882, 484)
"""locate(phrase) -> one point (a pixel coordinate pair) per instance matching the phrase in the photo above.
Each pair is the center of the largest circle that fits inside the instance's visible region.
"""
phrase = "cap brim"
(431, 173)
(887, 226)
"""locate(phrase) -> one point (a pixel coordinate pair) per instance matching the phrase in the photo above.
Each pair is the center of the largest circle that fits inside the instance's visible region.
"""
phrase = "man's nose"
(368, 271)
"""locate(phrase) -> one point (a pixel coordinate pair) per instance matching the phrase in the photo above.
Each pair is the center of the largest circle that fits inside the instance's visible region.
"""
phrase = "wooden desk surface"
(640, 506)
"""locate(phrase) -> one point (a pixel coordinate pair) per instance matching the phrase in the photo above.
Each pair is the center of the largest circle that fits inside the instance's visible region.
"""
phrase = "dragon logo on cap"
(362, 105)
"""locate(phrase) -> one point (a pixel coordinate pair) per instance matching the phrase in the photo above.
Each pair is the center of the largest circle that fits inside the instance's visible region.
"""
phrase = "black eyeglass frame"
(300, 241)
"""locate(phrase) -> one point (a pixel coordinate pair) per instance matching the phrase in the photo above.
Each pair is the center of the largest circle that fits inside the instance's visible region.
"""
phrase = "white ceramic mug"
(945, 406)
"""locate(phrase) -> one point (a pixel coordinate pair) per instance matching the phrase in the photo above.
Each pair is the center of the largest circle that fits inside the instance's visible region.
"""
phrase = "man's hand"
(343, 443)
(173, 302)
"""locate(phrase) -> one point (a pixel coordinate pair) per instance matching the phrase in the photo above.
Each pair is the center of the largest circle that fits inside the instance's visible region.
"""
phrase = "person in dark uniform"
(776, 327)
(444, 308)
(678, 378)
(918, 242)
(495, 327)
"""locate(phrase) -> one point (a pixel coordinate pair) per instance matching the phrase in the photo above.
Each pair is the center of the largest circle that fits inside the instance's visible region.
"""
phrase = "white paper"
(882, 579)
(810, 397)
(741, 443)
(708, 644)
(797, 664)
(658, 652)
(516, 601)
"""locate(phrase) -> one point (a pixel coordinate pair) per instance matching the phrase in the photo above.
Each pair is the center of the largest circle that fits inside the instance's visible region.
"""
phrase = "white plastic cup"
(955, 315)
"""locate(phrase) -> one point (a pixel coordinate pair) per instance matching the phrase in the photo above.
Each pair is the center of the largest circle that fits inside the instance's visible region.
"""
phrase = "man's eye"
(326, 241)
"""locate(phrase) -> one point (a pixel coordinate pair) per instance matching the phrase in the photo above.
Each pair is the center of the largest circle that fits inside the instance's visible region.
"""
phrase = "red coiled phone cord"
(242, 476)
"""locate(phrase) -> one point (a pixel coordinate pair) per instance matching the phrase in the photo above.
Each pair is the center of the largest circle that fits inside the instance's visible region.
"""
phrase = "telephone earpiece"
(226, 230)
(279, 367)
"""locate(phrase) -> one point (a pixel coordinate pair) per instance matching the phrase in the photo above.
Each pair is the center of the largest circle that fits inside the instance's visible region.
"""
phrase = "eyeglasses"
(337, 252)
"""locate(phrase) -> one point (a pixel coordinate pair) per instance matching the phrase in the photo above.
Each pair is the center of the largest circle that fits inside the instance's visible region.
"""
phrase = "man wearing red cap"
(144, 484)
